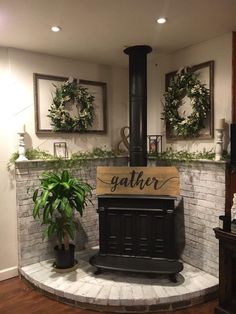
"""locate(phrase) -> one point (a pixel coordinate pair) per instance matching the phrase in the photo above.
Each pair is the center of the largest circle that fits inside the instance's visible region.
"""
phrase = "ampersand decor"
(124, 139)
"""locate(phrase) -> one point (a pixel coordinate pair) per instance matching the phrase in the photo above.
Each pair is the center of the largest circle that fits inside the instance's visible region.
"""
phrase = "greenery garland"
(77, 159)
(186, 83)
(71, 92)
(98, 152)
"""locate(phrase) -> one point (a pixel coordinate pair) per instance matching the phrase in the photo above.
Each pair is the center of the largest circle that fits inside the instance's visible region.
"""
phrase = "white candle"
(220, 124)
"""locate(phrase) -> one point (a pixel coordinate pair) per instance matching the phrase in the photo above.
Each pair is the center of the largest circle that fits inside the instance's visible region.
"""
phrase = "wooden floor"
(16, 297)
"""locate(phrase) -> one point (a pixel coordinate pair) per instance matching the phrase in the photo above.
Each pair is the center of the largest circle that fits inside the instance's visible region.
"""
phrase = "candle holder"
(219, 144)
(154, 144)
(60, 150)
(21, 149)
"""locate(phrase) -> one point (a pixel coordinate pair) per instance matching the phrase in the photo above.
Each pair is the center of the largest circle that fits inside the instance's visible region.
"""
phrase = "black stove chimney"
(138, 103)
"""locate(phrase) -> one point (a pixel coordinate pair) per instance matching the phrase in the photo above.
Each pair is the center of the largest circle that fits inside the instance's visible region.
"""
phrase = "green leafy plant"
(56, 202)
(78, 159)
(185, 155)
(97, 152)
(31, 154)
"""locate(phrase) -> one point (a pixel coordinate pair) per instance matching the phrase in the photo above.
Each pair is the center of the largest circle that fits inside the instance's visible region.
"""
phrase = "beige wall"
(23, 64)
(16, 90)
(218, 49)
(156, 86)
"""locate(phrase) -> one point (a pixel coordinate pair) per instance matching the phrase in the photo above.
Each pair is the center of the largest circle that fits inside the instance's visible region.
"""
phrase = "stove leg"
(98, 271)
(173, 278)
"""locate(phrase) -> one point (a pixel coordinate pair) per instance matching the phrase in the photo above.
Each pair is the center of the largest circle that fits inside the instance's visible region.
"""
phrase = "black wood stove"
(137, 232)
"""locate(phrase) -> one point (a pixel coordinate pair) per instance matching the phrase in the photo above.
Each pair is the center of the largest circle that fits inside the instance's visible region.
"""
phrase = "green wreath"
(186, 83)
(71, 92)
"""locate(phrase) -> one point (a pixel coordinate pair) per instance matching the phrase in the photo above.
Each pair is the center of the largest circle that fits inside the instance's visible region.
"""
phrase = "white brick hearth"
(123, 292)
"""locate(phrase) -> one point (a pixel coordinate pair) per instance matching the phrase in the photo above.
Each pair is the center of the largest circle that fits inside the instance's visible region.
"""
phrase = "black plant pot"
(64, 258)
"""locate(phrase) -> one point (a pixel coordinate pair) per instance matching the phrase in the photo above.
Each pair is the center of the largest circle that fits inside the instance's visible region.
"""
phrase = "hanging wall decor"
(188, 102)
(99, 92)
(72, 108)
(63, 105)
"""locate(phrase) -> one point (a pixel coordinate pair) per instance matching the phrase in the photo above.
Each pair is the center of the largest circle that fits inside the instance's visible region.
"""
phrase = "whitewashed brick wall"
(202, 200)
(202, 188)
(31, 247)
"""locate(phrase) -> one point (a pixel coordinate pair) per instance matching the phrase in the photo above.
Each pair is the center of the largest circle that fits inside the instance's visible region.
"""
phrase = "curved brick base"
(121, 292)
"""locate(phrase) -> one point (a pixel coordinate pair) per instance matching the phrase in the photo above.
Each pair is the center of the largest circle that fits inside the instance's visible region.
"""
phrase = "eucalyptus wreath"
(186, 83)
(76, 95)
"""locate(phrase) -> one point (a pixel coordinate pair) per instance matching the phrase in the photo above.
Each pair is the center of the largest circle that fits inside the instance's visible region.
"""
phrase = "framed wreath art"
(195, 120)
(72, 94)
(63, 105)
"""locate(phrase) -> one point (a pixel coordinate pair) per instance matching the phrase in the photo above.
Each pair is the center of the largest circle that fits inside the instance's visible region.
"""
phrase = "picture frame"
(60, 150)
(205, 73)
(43, 91)
(44, 87)
(154, 144)
(99, 91)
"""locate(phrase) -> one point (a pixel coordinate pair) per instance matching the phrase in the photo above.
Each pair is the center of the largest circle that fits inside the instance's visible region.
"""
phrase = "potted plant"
(56, 202)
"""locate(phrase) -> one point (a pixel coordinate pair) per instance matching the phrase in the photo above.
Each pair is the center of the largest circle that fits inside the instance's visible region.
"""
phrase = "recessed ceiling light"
(161, 20)
(56, 29)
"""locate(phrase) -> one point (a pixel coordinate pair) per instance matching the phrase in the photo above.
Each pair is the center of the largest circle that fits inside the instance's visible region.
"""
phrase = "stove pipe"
(138, 104)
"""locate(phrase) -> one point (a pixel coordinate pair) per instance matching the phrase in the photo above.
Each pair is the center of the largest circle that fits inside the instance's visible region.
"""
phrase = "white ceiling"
(98, 30)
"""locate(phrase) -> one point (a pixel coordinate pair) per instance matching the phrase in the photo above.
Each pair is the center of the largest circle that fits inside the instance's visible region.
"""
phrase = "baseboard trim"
(8, 273)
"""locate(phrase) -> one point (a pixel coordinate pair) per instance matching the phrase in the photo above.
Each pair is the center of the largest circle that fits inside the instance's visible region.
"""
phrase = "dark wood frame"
(38, 76)
(227, 272)
(234, 78)
(62, 145)
(103, 87)
(157, 142)
(198, 67)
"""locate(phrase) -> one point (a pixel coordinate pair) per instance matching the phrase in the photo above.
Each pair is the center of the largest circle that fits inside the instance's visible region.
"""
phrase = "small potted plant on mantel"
(57, 200)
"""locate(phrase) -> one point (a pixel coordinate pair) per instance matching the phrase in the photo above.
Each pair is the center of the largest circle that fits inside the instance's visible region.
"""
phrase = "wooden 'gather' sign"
(138, 180)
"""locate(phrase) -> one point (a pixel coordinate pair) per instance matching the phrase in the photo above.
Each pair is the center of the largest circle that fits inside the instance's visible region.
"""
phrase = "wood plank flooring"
(16, 297)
